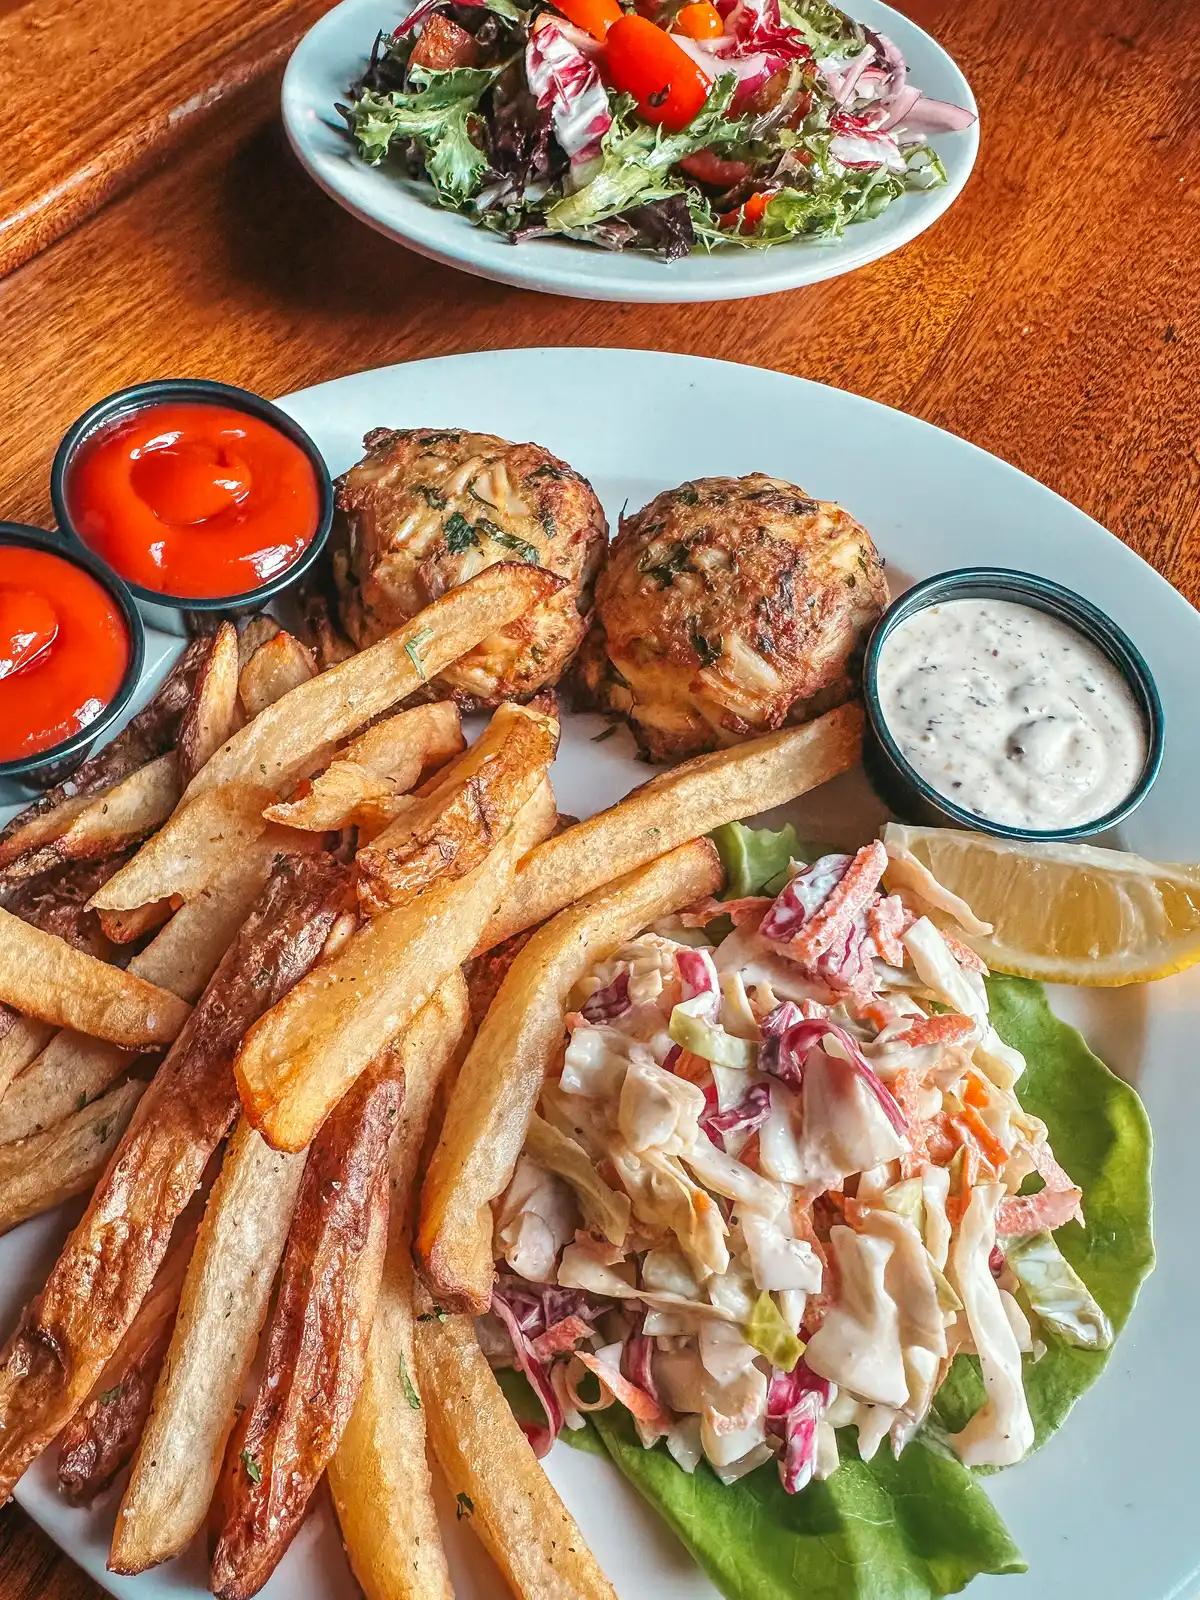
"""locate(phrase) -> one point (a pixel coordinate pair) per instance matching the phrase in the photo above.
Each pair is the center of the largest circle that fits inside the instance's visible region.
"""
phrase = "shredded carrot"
(887, 920)
(974, 1091)
(964, 955)
(750, 1152)
(692, 1067)
(989, 1146)
(852, 894)
(948, 1027)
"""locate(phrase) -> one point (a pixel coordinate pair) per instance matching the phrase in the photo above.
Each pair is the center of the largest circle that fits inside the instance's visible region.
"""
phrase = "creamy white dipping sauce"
(1011, 714)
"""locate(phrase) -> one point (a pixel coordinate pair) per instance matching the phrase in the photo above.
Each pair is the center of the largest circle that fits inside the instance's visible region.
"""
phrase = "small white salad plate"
(334, 53)
(1106, 1509)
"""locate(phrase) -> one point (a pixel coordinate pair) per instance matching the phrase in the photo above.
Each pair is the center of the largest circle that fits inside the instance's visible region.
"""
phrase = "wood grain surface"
(1051, 317)
(96, 93)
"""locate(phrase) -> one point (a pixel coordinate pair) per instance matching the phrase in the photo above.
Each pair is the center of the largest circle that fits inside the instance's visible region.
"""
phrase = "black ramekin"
(29, 777)
(187, 614)
(897, 781)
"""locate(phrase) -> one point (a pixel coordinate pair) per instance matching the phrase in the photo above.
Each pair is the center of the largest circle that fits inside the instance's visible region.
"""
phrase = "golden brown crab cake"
(426, 509)
(728, 607)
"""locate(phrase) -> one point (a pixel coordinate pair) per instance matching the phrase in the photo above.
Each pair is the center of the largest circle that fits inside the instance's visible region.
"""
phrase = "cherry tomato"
(700, 20)
(748, 216)
(706, 166)
(593, 16)
(664, 80)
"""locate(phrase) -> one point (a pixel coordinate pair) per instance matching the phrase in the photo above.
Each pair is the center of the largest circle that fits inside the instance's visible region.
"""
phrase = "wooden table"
(1050, 317)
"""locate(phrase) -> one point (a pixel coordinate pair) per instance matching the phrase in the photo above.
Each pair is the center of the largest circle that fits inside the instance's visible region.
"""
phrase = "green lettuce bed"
(923, 1526)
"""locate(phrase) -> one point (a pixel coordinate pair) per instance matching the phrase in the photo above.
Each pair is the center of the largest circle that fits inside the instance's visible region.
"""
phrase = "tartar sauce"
(1011, 714)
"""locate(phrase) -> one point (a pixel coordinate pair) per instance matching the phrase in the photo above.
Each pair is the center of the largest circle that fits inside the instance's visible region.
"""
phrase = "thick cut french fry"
(152, 732)
(50, 1167)
(221, 1312)
(453, 830)
(70, 1072)
(490, 1467)
(100, 1439)
(255, 631)
(125, 927)
(379, 1477)
(45, 977)
(22, 1040)
(317, 1343)
(213, 713)
(193, 852)
(502, 1077)
(278, 665)
(383, 763)
(110, 821)
(674, 807)
(70, 1331)
(298, 1062)
(298, 734)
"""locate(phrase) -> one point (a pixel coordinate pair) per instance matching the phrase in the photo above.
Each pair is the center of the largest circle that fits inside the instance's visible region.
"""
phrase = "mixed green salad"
(681, 124)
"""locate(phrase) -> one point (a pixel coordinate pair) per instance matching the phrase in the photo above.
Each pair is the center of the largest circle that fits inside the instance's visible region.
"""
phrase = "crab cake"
(425, 510)
(728, 607)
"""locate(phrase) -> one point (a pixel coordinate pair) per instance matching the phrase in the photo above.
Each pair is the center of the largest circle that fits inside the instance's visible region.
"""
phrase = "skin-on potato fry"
(317, 1345)
(490, 1467)
(298, 1062)
(321, 633)
(56, 902)
(152, 732)
(675, 806)
(221, 1312)
(22, 1040)
(502, 1076)
(45, 977)
(379, 1477)
(106, 1267)
(255, 631)
(66, 1160)
(385, 762)
(194, 850)
(451, 832)
(101, 826)
(71, 1068)
(213, 713)
(126, 927)
(299, 733)
(100, 1439)
(277, 666)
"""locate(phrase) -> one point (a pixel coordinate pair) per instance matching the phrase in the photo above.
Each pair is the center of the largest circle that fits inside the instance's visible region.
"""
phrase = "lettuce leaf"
(438, 114)
(754, 858)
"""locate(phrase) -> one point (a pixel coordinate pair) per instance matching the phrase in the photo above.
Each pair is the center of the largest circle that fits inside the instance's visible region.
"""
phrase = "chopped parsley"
(663, 572)
(431, 496)
(548, 524)
(465, 1505)
(253, 1470)
(708, 650)
(546, 470)
(483, 501)
(519, 547)
(438, 438)
(460, 535)
(410, 1393)
(107, 1396)
(415, 645)
(82, 1101)
(688, 494)
(436, 1315)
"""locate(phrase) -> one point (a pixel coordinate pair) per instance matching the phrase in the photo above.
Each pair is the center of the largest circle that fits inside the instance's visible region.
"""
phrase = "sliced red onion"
(796, 1401)
(541, 1438)
(748, 1116)
(609, 1003)
(637, 1363)
(806, 893)
(697, 973)
(672, 1057)
(787, 1043)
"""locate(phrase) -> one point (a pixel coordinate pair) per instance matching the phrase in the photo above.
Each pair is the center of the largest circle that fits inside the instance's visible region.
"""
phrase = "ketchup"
(194, 501)
(64, 650)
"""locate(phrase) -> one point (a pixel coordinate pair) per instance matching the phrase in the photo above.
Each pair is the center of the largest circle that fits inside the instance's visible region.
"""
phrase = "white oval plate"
(1107, 1509)
(333, 54)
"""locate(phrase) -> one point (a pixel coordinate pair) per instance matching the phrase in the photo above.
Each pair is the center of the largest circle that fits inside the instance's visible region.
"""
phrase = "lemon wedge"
(1066, 913)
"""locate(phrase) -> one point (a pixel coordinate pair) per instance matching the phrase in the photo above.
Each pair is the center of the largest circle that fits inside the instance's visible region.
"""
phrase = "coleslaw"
(673, 127)
(783, 1178)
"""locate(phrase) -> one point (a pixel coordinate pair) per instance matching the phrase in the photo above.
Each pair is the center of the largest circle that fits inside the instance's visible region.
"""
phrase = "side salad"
(677, 125)
(785, 1178)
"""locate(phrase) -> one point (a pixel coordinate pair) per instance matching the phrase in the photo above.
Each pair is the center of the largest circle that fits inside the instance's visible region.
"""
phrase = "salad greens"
(797, 122)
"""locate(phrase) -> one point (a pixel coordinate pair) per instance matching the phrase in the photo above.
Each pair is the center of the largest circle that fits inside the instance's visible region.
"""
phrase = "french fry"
(71, 1068)
(501, 1079)
(102, 825)
(490, 1467)
(213, 713)
(70, 1331)
(193, 852)
(43, 976)
(256, 630)
(379, 1477)
(448, 834)
(22, 1040)
(126, 927)
(298, 734)
(673, 807)
(299, 1060)
(221, 1312)
(100, 1439)
(50, 1167)
(321, 633)
(151, 733)
(317, 1343)
(279, 665)
(381, 764)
